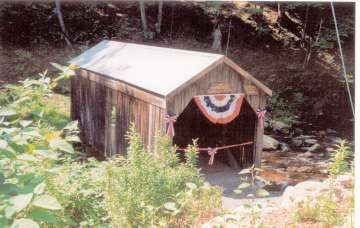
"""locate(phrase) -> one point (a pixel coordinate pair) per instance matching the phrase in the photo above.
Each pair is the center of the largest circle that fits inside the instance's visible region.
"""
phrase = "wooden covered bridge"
(210, 97)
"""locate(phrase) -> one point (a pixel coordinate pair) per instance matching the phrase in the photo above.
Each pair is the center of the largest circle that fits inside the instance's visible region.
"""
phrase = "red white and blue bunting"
(220, 108)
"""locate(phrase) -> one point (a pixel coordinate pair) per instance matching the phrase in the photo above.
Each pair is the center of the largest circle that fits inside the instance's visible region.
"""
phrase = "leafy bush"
(139, 190)
(43, 182)
(340, 159)
(29, 151)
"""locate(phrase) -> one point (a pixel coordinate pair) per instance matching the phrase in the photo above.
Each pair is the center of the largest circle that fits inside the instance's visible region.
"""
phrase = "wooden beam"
(247, 76)
(123, 87)
(195, 78)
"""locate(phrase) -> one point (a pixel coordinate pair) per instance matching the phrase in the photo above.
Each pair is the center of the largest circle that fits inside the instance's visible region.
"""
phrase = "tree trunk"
(159, 19)
(143, 18)
(217, 39)
(279, 12)
(305, 24)
(310, 44)
(61, 22)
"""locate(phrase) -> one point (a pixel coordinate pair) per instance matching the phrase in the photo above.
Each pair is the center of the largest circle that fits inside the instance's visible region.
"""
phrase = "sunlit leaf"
(170, 206)
(25, 123)
(43, 215)
(6, 111)
(191, 185)
(262, 193)
(244, 185)
(39, 189)
(62, 145)
(24, 223)
(47, 202)
(18, 203)
(72, 138)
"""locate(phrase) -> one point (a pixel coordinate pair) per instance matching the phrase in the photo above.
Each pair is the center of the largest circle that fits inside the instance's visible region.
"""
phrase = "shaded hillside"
(273, 49)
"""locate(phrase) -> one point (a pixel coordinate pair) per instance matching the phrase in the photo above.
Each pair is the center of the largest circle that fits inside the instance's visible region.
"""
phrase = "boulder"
(333, 139)
(297, 142)
(270, 143)
(330, 131)
(314, 148)
(280, 126)
(310, 141)
(298, 193)
(284, 147)
(298, 131)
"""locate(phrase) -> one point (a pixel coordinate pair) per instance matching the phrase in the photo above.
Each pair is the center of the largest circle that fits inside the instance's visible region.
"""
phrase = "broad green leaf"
(43, 215)
(261, 179)
(72, 126)
(238, 191)
(24, 223)
(170, 206)
(39, 189)
(261, 192)
(32, 132)
(25, 123)
(18, 203)
(6, 111)
(8, 188)
(7, 153)
(244, 185)
(46, 153)
(47, 202)
(58, 66)
(72, 138)
(39, 112)
(27, 157)
(62, 145)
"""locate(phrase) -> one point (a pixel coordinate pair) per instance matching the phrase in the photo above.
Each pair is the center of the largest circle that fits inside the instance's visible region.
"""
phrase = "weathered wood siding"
(93, 100)
(222, 79)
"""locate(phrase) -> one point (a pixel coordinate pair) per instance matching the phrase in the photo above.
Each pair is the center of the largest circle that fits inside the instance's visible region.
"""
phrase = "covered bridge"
(210, 97)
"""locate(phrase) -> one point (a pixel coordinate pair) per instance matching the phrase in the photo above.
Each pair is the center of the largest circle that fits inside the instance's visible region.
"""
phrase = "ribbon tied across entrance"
(170, 130)
(220, 108)
(261, 116)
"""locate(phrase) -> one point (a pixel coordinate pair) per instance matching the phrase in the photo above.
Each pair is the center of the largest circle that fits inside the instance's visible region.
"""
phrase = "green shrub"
(44, 183)
(139, 188)
(320, 209)
(340, 159)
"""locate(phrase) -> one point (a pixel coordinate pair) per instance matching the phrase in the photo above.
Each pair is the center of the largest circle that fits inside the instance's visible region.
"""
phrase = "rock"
(298, 193)
(310, 141)
(298, 131)
(281, 127)
(321, 134)
(330, 131)
(284, 147)
(345, 181)
(333, 139)
(296, 142)
(314, 148)
(308, 154)
(270, 143)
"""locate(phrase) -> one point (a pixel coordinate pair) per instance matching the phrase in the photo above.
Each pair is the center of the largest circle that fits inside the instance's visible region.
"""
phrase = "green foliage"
(138, 191)
(252, 184)
(42, 183)
(28, 154)
(320, 209)
(285, 110)
(340, 159)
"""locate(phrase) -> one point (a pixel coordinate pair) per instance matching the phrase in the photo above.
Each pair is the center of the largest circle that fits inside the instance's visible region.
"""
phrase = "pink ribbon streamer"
(170, 120)
(261, 117)
(212, 152)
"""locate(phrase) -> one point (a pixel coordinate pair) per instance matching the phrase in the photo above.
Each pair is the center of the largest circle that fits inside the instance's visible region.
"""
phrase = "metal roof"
(156, 69)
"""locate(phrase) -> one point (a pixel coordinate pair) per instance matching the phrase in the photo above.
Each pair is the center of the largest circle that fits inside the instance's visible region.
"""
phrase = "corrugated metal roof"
(156, 69)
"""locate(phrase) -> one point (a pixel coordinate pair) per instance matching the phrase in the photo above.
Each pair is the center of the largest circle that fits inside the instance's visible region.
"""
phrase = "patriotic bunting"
(220, 108)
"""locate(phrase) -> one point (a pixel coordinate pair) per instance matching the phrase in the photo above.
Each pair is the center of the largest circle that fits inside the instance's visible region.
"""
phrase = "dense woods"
(48, 180)
(261, 37)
